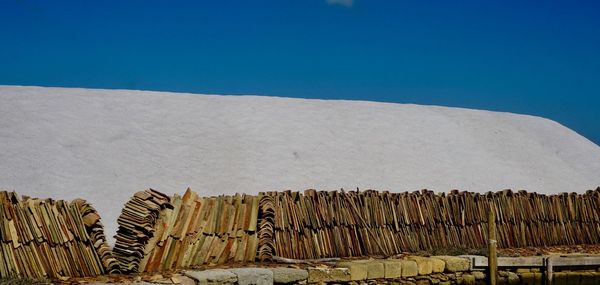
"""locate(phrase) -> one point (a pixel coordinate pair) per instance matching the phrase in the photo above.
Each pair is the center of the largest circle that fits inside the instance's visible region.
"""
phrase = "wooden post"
(549, 270)
(492, 257)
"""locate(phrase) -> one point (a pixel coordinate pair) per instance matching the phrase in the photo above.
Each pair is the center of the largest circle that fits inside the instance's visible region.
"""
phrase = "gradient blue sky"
(531, 57)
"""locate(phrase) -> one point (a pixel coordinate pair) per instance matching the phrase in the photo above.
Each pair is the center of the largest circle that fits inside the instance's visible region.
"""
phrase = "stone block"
(437, 265)
(559, 278)
(393, 268)
(358, 270)
(587, 278)
(320, 275)
(573, 278)
(375, 269)
(530, 278)
(513, 278)
(468, 279)
(441, 276)
(282, 275)
(212, 276)
(182, 280)
(409, 268)
(424, 264)
(455, 264)
(479, 275)
(253, 276)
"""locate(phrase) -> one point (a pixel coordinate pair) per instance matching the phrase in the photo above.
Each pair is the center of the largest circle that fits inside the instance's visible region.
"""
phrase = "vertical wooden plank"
(549, 270)
(492, 257)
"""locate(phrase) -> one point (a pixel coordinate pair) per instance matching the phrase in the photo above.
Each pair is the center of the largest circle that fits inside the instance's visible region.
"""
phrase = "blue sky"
(531, 57)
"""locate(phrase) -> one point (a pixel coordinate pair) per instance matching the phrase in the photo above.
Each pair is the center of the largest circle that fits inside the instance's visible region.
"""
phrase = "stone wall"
(441, 270)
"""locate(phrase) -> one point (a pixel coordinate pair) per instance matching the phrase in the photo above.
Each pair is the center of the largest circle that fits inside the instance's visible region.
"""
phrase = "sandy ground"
(104, 145)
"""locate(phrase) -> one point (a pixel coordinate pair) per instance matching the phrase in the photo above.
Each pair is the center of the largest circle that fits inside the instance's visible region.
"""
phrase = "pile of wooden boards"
(530, 219)
(137, 225)
(50, 238)
(343, 224)
(95, 230)
(53, 238)
(266, 230)
(196, 231)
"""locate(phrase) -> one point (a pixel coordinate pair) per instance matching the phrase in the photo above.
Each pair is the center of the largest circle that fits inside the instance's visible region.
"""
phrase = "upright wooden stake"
(549, 270)
(492, 257)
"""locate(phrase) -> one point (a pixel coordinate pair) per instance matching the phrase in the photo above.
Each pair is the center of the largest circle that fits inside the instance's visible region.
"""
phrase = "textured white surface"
(104, 145)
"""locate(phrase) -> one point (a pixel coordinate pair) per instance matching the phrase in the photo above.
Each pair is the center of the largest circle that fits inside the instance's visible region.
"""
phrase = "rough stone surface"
(537, 276)
(339, 276)
(358, 270)
(437, 265)
(212, 276)
(528, 278)
(319, 275)
(455, 264)
(441, 277)
(424, 264)
(288, 275)
(183, 280)
(179, 280)
(468, 279)
(559, 278)
(375, 269)
(595, 276)
(253, 276)
(572, 278)
(513, 278)
(392, 267)
(409, 268)
(478, 275)
(587, 278)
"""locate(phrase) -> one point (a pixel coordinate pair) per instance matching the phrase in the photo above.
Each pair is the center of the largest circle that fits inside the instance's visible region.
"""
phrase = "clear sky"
(531, 57)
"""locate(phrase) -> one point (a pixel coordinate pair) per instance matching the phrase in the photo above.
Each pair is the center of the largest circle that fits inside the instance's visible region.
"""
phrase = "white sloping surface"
(103, 145)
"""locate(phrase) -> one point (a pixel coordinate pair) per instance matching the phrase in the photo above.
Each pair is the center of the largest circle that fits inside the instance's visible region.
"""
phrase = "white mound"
(104, 145)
